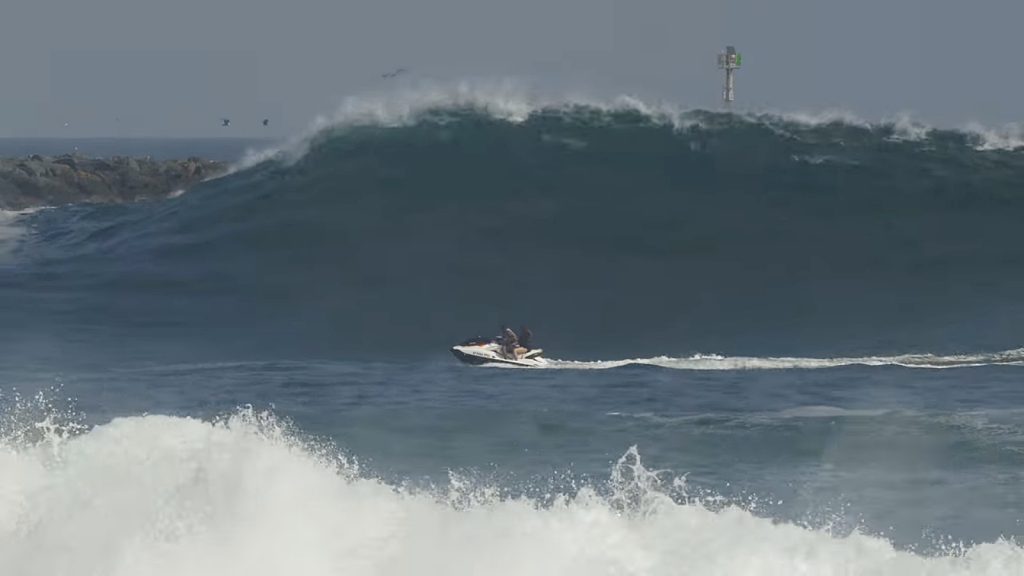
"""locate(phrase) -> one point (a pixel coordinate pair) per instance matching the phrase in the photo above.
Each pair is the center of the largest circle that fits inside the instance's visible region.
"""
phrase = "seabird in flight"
(394, 73)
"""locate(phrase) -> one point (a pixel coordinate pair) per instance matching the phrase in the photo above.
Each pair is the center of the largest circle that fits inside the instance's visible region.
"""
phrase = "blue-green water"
(810, 330)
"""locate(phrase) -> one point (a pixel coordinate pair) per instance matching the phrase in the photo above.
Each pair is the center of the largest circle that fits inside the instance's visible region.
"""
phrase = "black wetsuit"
(525, 338)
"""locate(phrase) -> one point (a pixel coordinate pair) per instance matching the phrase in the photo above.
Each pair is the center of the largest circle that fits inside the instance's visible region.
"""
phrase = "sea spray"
(240, 494)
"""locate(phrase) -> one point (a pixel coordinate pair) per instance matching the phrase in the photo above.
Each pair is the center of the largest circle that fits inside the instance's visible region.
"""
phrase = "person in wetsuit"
(525, 338)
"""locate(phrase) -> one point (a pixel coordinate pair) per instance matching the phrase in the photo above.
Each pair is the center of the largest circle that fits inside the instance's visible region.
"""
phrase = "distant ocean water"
(781, 345)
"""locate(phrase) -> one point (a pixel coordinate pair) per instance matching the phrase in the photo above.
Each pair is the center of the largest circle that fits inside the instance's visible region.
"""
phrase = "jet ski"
(479, 351)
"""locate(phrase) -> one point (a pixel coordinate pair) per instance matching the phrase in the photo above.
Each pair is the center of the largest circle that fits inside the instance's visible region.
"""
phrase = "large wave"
(512, 102)
(243, 494)
(615, 230)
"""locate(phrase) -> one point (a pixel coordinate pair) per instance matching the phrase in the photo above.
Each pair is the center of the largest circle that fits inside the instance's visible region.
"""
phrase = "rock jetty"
(35, 181)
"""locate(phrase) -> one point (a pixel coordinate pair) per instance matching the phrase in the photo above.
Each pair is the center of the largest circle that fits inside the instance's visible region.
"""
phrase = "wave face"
(165, 495)
(613, 232)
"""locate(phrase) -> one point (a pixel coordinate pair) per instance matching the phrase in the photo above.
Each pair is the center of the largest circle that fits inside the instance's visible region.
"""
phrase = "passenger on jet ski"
(509, 343)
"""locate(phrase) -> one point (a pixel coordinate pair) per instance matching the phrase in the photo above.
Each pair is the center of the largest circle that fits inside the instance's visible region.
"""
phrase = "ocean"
(778, 343)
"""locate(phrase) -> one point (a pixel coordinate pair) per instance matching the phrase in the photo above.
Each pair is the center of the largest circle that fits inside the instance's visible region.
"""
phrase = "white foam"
(797, 412)
(1007, 137)
(717, 362)
(12, 229)
(820, 159)
(159, 495)
(815, 119)
(905, 128)
(822, 411)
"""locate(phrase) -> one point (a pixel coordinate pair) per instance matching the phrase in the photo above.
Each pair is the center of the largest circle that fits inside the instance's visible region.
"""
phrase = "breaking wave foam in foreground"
(165, 495)
(715, 362)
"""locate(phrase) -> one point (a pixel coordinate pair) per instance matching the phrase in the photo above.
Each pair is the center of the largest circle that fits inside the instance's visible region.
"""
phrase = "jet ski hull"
(479, 355)
(467, 358)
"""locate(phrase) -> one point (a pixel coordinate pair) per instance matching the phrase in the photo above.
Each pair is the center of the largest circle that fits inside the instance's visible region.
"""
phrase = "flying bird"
(266, 121)
(225, 121)
(394, 73)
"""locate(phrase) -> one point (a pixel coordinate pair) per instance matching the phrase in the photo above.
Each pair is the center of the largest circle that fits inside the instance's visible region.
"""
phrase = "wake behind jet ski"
(505, 349)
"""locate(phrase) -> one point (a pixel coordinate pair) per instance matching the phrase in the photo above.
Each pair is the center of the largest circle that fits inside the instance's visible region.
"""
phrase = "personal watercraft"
(480, 351)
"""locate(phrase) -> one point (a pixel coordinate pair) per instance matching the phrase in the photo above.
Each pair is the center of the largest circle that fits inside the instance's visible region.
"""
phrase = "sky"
(175, 68)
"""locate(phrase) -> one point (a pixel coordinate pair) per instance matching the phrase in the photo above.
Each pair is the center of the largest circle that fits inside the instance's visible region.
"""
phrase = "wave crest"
(513, 101)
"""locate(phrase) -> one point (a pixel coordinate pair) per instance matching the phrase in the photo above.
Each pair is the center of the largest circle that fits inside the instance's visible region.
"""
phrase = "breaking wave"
(510, 101)
(246, 494)
(616, 229)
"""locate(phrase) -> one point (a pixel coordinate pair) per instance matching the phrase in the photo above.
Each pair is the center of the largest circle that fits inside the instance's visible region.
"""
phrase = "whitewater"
(165, 495)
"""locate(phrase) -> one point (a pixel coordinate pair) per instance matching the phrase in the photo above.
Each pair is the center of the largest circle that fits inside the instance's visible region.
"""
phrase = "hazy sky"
(175, 67)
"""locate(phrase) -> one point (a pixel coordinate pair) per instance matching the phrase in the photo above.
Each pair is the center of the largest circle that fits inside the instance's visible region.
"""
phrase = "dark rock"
(41, 181)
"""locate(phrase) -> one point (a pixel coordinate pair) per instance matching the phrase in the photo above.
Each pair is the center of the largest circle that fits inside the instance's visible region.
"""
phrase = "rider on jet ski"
(515, 346)
(505, 348)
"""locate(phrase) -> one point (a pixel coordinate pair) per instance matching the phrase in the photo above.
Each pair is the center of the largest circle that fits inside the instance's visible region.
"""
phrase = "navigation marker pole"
(730, 61)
